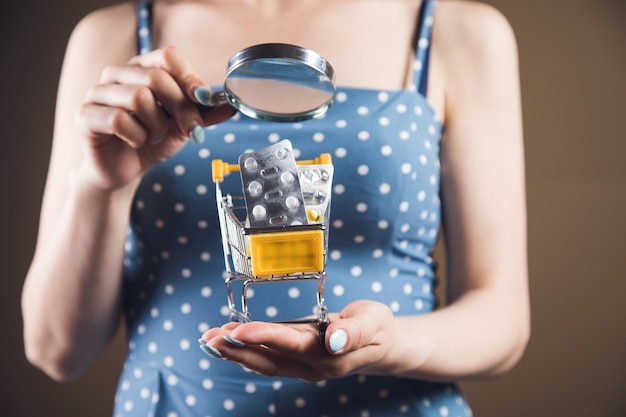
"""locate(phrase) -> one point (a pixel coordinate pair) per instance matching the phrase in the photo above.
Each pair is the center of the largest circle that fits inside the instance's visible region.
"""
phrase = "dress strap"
(422, 47)
(144, 27)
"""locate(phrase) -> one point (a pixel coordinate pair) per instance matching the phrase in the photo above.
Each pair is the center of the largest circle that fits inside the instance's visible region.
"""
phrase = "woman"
(425, 131)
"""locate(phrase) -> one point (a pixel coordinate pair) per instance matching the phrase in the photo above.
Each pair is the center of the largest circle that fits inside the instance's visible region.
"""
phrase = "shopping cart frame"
(246, 250)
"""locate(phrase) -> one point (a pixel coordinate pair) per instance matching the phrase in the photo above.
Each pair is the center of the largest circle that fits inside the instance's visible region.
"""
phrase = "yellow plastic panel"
(287, 252)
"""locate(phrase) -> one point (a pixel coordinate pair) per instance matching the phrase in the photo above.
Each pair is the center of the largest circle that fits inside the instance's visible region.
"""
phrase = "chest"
(370, 44)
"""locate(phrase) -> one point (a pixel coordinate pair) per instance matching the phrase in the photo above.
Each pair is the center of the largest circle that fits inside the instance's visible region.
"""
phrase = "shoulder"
(472, 30)
(108, 32)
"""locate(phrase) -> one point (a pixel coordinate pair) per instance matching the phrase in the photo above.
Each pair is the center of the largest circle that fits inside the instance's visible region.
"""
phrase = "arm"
(117, 115)
(485, 326)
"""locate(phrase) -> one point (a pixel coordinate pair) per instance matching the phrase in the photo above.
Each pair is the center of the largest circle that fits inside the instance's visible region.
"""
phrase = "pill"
(292, 202)
(259, 211)
(255, 188)
(282, 152)
(287, 177)
(250, 163)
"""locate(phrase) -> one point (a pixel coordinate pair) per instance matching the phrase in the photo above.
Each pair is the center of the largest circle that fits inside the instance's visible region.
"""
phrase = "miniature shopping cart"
(275, 252)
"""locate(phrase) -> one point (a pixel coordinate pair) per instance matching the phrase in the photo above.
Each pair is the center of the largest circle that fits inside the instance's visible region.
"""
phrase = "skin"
(118, 115)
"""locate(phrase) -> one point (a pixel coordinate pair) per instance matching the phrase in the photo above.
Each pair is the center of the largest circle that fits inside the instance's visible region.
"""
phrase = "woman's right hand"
(142, 113)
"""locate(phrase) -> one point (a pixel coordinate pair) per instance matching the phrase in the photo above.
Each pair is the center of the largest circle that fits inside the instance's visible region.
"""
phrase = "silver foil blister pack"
(271, 187)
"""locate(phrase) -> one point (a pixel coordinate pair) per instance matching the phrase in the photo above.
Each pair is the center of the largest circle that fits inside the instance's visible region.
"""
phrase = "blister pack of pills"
(272, 187)
(316, 184)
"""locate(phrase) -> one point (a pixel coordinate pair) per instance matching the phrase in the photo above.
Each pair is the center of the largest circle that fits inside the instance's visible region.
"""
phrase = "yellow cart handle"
(220, 169)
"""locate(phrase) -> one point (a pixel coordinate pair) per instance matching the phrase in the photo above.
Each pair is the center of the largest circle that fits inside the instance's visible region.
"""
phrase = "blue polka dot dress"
(385, 220)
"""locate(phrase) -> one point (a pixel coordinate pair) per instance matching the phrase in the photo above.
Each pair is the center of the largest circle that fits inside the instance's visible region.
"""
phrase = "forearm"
(71, 296)
(481, 334)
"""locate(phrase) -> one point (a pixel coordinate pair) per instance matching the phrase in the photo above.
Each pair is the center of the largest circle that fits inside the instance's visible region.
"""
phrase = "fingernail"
(202, 341)
(196, 134)
(233, 341)
(203, 95)
(337, 340)
(211, 351)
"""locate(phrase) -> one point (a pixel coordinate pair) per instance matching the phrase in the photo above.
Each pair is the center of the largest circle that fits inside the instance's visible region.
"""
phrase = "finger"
(360, 324)
(288, 340)
(98, 121)
(176, 63)
(138, 100)
(165, 90)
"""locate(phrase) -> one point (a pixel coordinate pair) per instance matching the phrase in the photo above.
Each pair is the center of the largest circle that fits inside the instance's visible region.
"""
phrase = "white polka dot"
(401, 108)
(356, 271)
(204, 364)
(250, 388)
(204, 153)
(186, 272)
(318, 137)
(273, 137)
(172, 380)
(386, 150)
(384, 188)
(154, 312)
(359, 239)
(339, 189)
(140, 204)
(383, 96)
(394, 306)
(229, 138)
(179, 207)
(343, 399)
(293, 292)
(185, 308)
(271, 311)
(179, 170)
(335, 255)
(300, 402)
(339, 290)
(341, 97)
(423, 159)
(384, 121)
(338, 224)
(377, 287)
(203, 224)
(404, 408)
(404, 206)
(277, 385)
(393, 272)
(190, 400)
(362, 111)
(421, 196)
(153, 347)
(406, 168)
(168, 325)
(340, 124)
(128, 405)
(207, 384)
(378, 253)
(383, 224)
(444, 412)
(184, 344)
(363, 170)
(271, 409)
(168, 361)
(157, 188)
(404, 135)
(205, 256)
(144, 393)
(361, 207)
(383, 393)
(202, 189)
(141, 329)
(229, 405)
(364, 135)
(341, 152)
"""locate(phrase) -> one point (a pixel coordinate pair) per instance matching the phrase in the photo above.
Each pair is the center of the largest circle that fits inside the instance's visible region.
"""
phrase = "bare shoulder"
(109, 33)
(472, 28)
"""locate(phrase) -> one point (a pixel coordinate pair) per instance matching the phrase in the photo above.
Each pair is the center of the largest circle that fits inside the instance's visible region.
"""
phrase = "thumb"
(357, 326)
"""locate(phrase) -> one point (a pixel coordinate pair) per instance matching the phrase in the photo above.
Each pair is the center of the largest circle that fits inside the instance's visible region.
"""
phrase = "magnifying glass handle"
(218, 98)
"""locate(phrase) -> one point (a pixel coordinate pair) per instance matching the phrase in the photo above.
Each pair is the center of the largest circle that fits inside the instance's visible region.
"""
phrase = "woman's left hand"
(357, 340)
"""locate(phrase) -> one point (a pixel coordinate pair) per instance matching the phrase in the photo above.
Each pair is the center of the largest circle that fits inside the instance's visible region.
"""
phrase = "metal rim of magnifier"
(282, 51)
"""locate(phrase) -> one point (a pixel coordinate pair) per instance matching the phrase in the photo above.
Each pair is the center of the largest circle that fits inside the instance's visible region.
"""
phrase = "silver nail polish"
(203, 95)
(337, 340)
(196, 135)
(211, 351)
(202, 341)
(233, 341)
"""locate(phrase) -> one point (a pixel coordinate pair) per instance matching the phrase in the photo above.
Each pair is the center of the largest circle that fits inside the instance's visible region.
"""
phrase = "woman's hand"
(142, 113)
(357, 340)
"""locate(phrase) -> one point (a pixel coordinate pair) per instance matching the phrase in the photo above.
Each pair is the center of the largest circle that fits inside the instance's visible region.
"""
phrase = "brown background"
(573, 66)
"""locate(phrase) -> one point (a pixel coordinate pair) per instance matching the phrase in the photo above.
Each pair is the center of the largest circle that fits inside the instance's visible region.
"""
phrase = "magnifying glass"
(278, 82)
